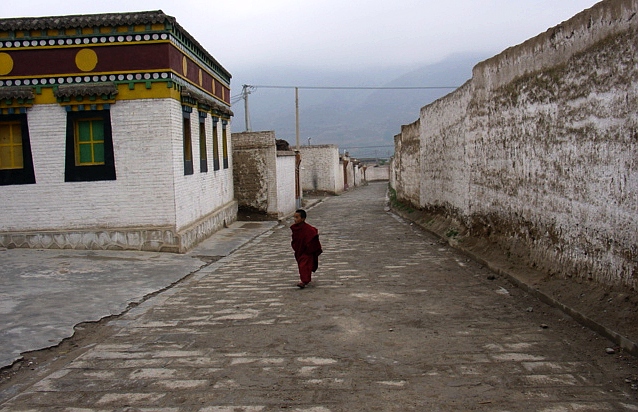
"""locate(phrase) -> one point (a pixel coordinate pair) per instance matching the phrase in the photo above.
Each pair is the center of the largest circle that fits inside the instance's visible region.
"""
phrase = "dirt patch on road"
(35, 365)
(611, 311)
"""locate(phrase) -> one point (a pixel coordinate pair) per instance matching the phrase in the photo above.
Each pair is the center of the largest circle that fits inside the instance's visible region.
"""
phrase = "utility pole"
(298, 188)
(297, 115)
(245, 92)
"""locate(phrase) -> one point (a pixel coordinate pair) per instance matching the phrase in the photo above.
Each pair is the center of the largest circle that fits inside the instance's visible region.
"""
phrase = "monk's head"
(299, 216)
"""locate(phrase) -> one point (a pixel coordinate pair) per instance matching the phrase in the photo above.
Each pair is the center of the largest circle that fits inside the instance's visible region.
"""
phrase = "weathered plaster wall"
(444, 180)
(264, 178)
(341, 176)
(320, 168)
(352, 171)
(539, 149)
(286, 199)
(358, 174)
(254, 172)
(407, 164)
(375, 173)
(393, 171)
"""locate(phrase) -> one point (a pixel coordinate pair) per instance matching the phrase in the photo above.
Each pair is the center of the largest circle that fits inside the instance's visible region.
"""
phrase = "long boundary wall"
(539, 150)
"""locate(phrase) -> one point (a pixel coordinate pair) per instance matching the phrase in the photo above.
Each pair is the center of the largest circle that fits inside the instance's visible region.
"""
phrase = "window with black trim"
(203, 156)
(225, 143)
(16, 162)
(89, 146)
(188, 145)
(215, 145)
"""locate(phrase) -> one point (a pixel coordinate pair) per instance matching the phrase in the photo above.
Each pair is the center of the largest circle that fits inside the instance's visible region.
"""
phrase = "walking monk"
(305, 243)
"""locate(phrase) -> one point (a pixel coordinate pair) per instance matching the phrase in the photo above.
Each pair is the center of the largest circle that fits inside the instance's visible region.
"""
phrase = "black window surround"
(187, 142)
(25, 175)
(225, 143)
(216, 165)
(89, 173)
(203, 155)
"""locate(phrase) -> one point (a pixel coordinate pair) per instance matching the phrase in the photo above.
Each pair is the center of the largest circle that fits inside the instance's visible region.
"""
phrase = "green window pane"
(86, 155)
(98, 130)
(98, 152)
(84, 131)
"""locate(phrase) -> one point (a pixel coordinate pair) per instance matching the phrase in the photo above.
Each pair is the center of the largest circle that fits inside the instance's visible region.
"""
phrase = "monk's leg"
(305, 264)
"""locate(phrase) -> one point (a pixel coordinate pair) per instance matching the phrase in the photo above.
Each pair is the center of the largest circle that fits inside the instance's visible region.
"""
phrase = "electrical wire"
(356, 87)
(367, 147)
(237, 98)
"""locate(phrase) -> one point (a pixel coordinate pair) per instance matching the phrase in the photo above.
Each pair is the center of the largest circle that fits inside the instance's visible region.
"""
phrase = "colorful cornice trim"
(131, 48)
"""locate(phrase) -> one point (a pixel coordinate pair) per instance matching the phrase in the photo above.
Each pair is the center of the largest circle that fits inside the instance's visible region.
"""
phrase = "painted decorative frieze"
(142, 55)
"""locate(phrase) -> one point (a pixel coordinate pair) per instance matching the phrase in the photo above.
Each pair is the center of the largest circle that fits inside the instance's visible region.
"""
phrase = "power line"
(248, 88)
(367, 147)
(237, 98)
(241, 96)
(356, 87)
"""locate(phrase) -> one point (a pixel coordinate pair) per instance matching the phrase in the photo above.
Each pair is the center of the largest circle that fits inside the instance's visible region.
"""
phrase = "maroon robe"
(305, 243)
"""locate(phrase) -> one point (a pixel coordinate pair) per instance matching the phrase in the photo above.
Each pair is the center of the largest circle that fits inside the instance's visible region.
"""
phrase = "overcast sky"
(336, 34)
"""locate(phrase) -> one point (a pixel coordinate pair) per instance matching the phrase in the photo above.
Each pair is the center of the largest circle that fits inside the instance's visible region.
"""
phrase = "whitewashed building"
(114, 134)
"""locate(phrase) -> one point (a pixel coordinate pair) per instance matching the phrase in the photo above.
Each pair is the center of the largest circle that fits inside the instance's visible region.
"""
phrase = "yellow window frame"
(11, 151)
(92, 142)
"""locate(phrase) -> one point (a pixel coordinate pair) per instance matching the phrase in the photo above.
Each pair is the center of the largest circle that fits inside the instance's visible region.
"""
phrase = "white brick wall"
(199, 194)
(150, 192)
(137, 198)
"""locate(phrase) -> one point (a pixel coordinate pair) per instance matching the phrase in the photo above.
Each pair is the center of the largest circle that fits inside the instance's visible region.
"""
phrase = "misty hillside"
(363, 122)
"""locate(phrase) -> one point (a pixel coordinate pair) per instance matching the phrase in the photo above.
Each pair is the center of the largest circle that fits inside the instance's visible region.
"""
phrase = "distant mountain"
(362, 122)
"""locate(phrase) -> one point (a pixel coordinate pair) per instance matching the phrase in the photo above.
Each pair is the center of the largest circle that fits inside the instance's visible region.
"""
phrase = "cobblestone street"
(394, 320)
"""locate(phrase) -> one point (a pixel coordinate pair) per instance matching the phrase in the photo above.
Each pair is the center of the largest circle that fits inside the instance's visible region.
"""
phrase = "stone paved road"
(394, 321)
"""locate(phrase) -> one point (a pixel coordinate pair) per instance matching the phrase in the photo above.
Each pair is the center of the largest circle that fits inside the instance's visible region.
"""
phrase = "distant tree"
(282, 144)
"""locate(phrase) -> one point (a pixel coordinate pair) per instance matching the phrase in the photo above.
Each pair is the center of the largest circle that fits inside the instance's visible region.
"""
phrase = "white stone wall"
(286, 199)
(538, 150)
(375, 173)
(320, 170)
(151, 205)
